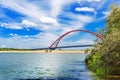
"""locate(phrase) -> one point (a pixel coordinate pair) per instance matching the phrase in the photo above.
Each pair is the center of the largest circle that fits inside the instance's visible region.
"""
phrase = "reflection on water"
(16, 66)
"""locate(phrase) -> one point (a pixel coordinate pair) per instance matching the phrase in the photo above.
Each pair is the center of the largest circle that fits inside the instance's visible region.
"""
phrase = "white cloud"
(90, 1)
(11, 25)
(57, 5)
(101, 4)
(24, 7)
(39, 18)
(106, 13)
(85, 19)
(79, 19)
(28, 23)
(21, 25)
(13, 34)
(87, 9)
(49, 20)
(42, 40)
(33, 10)
(93, 0)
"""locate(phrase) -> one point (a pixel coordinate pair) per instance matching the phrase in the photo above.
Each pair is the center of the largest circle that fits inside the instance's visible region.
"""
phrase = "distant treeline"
(11, 49)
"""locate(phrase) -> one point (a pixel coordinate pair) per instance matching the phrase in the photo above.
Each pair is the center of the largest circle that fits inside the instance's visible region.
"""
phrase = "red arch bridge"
(54, 45)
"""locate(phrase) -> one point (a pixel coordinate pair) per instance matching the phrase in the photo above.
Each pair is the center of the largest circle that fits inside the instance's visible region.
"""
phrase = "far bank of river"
(44, 51)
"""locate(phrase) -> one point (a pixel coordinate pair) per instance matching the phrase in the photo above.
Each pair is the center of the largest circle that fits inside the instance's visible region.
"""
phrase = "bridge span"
(54, 45)
(60, 47)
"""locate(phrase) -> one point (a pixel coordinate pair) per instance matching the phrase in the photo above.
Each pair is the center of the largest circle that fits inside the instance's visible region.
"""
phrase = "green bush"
(107, 54)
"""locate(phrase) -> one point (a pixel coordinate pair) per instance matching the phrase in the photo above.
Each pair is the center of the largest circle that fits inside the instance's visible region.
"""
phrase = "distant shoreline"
(44, 51)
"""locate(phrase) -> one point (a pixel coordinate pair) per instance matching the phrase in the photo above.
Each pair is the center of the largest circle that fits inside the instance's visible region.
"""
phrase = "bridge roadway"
(63, 47)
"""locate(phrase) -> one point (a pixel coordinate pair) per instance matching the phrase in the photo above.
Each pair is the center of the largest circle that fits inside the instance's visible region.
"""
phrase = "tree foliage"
(107, 54)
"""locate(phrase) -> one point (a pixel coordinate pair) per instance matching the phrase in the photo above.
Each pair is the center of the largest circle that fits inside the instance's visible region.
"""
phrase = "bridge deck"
(64, 47)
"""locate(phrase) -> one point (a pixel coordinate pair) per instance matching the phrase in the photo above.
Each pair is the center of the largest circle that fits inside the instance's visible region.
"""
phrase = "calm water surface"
(43, 66)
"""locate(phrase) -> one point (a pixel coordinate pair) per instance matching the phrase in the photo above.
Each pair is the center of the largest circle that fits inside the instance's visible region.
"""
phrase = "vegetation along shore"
(105, 57)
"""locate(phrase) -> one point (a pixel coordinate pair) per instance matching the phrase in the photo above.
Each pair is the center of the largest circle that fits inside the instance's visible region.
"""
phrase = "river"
(43, 66)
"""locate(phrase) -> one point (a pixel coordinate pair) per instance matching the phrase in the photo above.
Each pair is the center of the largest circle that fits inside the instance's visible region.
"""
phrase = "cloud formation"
(28, 23)
(85, 9)
(11, 25)
(51, 17)
(49, 20)
(93, 0)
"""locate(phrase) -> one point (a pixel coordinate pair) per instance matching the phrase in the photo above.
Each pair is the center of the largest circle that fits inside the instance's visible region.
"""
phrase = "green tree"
(113, 20)
(107, 53)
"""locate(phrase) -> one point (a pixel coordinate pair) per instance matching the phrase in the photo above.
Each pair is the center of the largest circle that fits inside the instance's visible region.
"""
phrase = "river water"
(43, 66)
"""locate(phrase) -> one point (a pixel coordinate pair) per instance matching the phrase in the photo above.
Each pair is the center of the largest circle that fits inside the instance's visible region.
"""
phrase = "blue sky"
(37, 23)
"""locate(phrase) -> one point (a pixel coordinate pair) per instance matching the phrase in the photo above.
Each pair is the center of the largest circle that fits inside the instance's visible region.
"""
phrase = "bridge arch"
(56, 42)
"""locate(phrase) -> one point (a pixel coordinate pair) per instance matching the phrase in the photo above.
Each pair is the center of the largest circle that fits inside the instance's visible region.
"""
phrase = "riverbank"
(44, 51)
